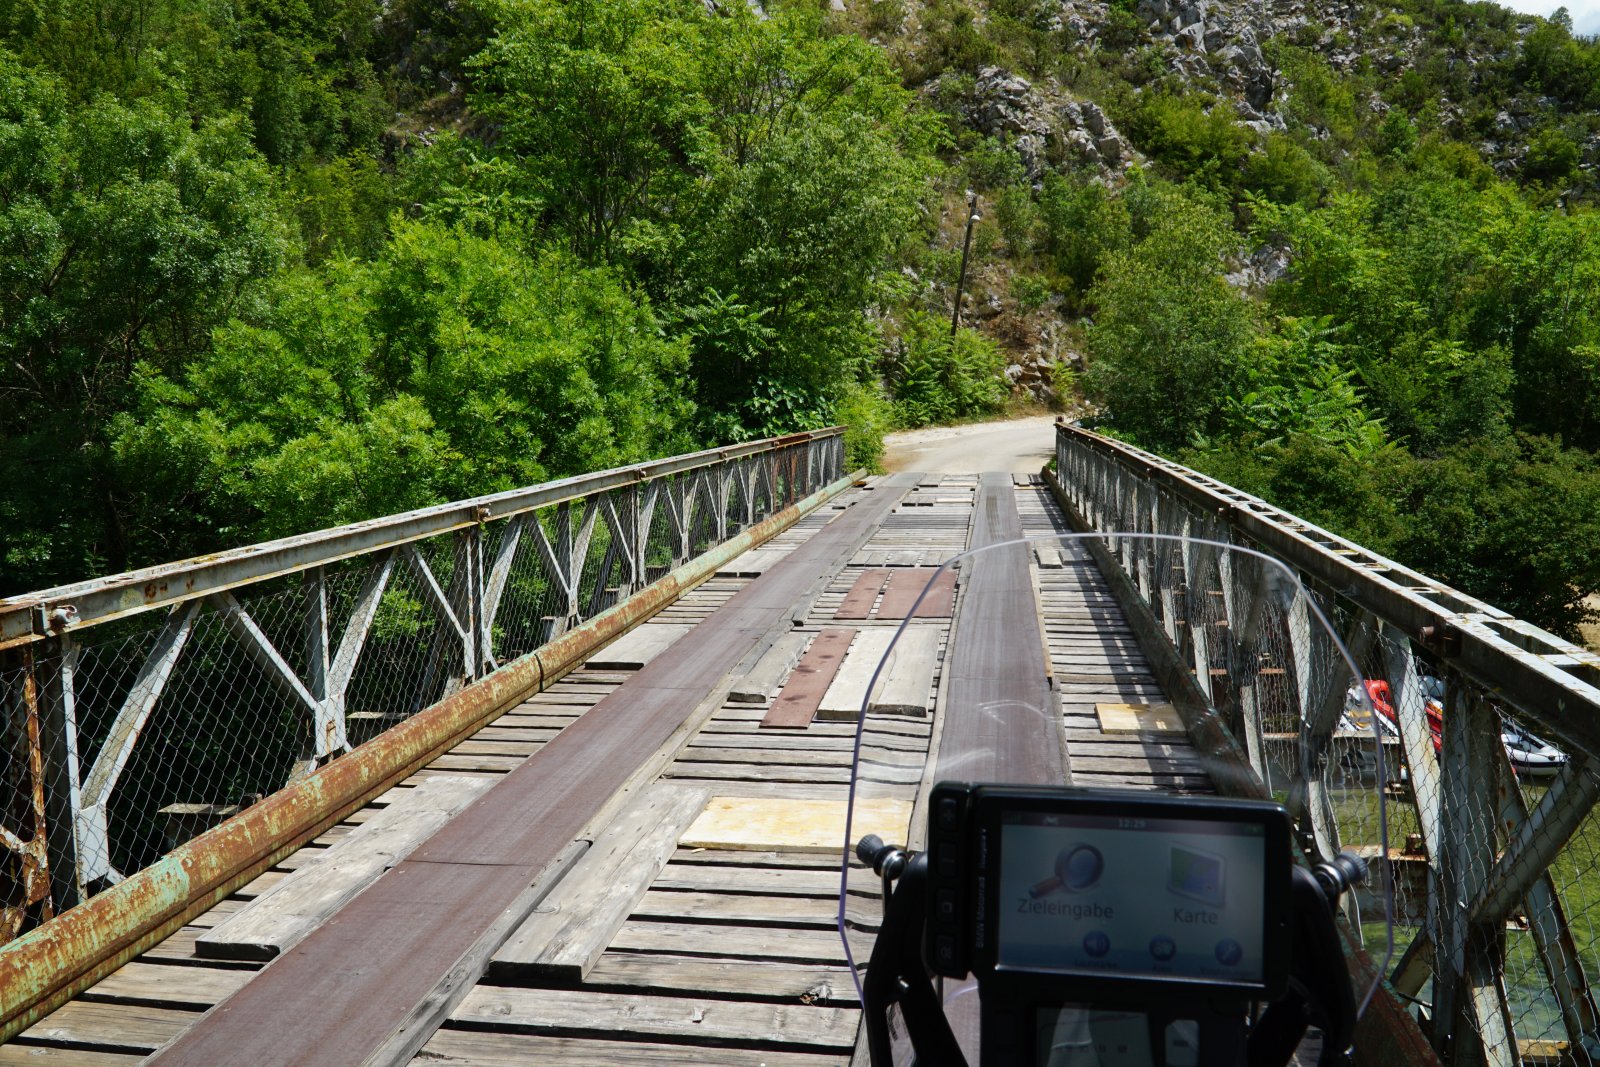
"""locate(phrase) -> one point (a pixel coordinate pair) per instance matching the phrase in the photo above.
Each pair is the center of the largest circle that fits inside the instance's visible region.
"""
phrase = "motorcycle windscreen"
(1166, 663)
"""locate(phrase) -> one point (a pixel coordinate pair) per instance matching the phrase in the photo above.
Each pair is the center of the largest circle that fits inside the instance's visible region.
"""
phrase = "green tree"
(125, 235)
(1082, 224)
(595, 100)
(452, 366)
(1170, 338)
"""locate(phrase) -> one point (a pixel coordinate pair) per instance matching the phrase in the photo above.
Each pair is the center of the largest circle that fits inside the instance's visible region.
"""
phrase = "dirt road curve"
(1017, 446)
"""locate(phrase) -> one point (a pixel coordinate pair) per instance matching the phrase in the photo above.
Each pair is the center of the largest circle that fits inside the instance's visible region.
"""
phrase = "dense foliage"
(278, 263)
(269, 266)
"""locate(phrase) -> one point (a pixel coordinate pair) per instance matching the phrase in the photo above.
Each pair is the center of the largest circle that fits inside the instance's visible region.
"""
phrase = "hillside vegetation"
(267, 265)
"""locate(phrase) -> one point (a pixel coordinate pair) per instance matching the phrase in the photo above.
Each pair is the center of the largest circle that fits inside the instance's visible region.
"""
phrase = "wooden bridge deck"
(661, 942)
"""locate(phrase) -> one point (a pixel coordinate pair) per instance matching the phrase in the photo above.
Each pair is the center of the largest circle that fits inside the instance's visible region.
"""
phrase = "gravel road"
(1015, 446)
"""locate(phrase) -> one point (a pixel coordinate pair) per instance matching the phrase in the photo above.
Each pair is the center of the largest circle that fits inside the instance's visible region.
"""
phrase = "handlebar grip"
(867, 849)
(1340, 875)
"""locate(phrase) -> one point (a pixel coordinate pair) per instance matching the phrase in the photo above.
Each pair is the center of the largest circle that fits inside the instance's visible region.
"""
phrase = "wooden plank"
(169, 987)
(941, 599)
(130, 1028)
(752, 564)
(576, 1011)
(902, 590)
(1140, 718)
(907, 684)
(429, 1011)
(771, 670)
(638, 646)
(282, 916)
(848, 690)
(750, 979)
(796, 705)
(471, 1048)
(732, 942)
(863, 594)
(736, 822)
(565, 937)
(787, 881)
(1049, 556)
(996, 661)
(15, 1054)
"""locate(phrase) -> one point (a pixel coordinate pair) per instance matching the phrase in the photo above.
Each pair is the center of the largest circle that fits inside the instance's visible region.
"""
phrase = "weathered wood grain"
(857, 603)
(282, 916)
(572, 927)
(770, 671)
(638, 646)
(470, 1048)
(796, 705)
(703, 1019)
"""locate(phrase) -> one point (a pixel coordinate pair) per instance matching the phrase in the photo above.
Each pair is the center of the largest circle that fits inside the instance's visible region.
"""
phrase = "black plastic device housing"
(963, 897)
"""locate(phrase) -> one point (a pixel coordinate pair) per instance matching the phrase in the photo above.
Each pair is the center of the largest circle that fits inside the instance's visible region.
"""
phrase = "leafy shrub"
(1082, 224)
(1552, 157)
(938, 378)
(1015, 214)
(1207, 146)
(1285, 172)
(1030, 291)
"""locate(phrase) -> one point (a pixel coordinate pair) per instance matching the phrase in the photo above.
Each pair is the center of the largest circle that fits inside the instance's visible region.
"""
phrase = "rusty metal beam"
(64, 609)
(49, 965)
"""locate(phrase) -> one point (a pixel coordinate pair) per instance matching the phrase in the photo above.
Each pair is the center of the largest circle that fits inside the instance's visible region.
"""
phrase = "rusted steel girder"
(25, 881)
(49, 965)
(68, 608)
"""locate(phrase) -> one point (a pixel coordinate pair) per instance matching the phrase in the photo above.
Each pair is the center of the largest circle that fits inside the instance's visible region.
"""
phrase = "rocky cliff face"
(1043, 123)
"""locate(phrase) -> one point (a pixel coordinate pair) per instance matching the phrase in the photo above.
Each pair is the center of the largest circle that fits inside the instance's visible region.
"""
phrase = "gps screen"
(1134, 897)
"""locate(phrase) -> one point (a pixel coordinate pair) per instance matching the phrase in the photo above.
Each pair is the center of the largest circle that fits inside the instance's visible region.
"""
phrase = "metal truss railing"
(143, 708)
(1495, 865)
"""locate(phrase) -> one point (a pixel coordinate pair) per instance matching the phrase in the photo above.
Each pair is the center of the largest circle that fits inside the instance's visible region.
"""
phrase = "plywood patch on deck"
(637, 647)
(752, 823)
(1139, 719)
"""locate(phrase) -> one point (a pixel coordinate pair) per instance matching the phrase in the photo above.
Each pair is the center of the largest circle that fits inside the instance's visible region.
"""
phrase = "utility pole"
(966, 245)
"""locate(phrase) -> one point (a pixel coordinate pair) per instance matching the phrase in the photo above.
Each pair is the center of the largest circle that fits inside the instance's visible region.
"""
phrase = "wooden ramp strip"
(1001, 723)
(371, 985)
(796, 706)
(940, 602)
(770, 671)
(291, 909)
(908, 678)
(904, 587)
(573, 925)
(863, 594)
(575, 1011)
(1139, 718)
(845, 694)
(637, 647)
(762, 824)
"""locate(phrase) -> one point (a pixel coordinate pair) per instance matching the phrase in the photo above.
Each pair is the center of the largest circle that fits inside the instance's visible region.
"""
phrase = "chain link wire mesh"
(129, 738)
(1492, 857)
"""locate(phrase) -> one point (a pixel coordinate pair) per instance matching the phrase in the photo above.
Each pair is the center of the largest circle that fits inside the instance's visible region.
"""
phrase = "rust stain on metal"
(29, 869)
(47, 966)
